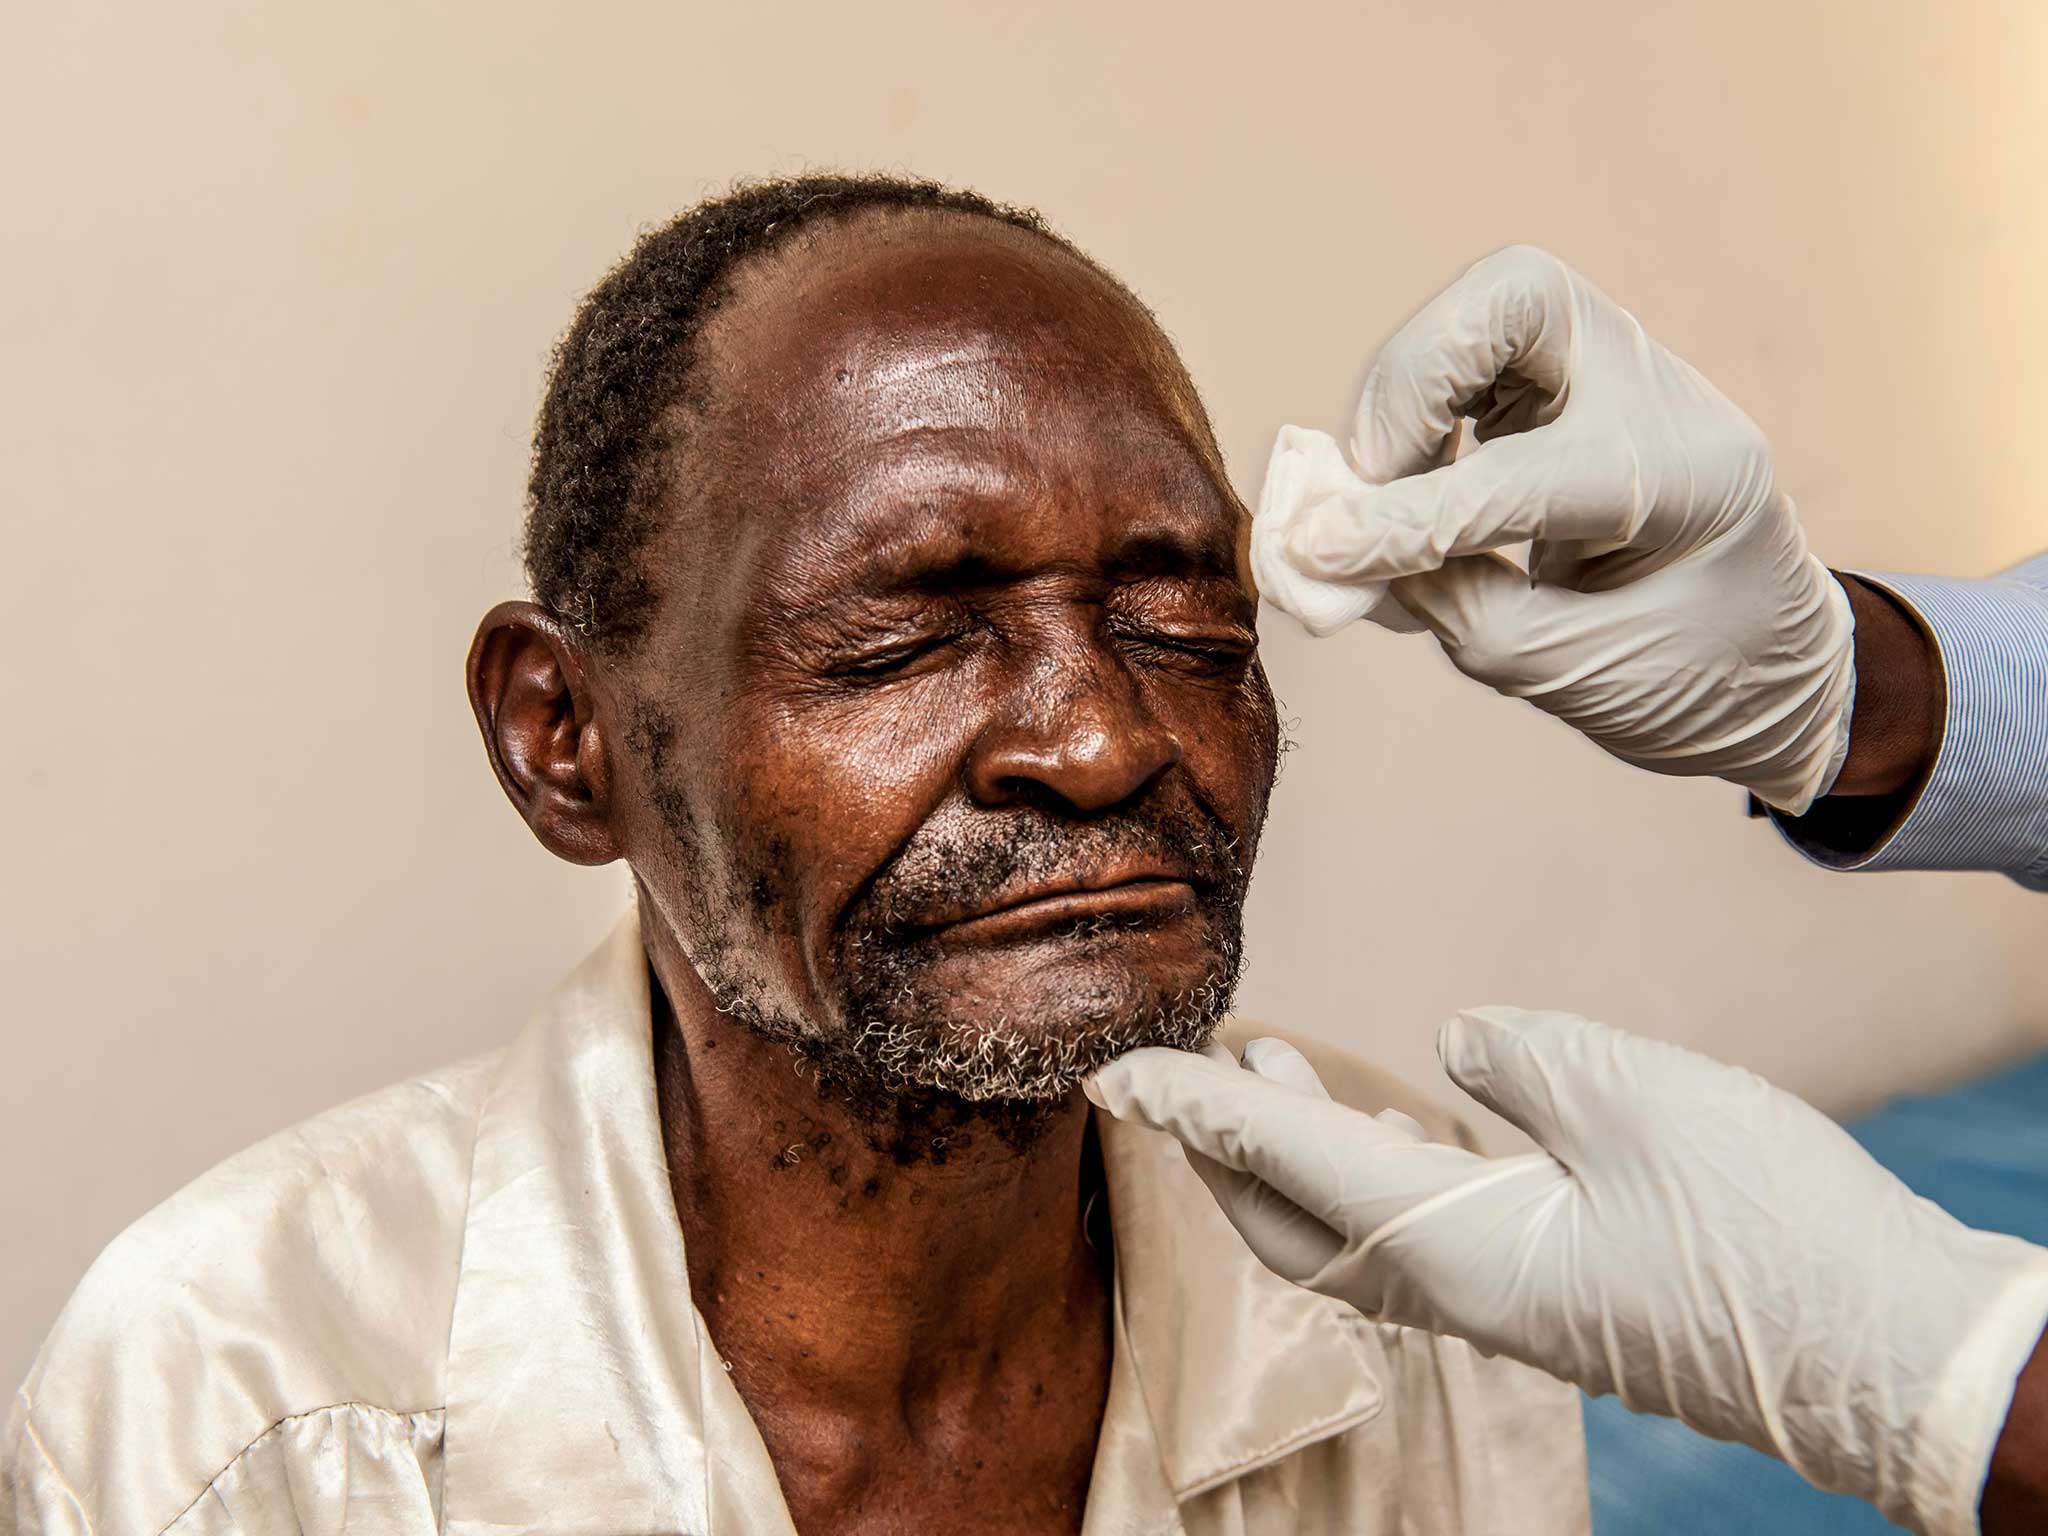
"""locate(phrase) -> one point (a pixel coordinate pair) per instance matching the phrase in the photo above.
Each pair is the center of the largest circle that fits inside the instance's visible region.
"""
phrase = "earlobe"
(535, 707)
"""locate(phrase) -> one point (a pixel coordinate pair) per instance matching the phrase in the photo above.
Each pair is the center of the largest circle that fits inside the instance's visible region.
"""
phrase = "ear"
(535, 706)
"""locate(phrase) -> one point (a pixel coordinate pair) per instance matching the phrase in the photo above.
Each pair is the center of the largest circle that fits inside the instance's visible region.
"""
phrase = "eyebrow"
(1161, 549)
(939, 561)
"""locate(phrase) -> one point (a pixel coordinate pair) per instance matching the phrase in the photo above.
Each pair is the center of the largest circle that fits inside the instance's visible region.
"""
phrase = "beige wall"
(279, 282)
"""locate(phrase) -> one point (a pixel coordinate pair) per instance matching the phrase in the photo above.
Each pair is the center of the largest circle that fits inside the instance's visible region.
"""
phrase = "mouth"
(1134, 899)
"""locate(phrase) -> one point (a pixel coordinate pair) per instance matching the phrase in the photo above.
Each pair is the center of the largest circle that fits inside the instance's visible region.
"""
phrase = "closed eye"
(1223, 647)
(892, 660)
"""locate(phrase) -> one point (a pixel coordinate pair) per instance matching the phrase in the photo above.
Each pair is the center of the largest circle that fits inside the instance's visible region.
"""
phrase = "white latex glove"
(1675, 617)
(1689, 1238)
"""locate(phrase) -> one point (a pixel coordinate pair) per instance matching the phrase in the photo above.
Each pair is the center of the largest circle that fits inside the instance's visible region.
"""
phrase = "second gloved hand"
(1689, 1237)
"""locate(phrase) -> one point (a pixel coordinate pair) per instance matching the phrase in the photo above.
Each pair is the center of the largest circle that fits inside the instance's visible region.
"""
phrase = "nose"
(1072, 727)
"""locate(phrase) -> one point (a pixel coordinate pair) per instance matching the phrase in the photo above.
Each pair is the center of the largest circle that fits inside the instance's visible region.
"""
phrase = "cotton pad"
(1307, 467)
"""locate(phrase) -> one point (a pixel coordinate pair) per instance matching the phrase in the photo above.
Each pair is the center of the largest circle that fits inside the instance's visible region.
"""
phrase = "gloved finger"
(1509, 316)
(1407, 1125)
(1535, 1069)
(1497, 626)
(1284, 1237)
(1306, 1148)
(1534, 486)
(1278, 1062)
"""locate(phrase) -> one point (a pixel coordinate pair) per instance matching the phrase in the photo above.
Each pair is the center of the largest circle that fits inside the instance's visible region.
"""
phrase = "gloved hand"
(1689, 1238)
(1675, 615)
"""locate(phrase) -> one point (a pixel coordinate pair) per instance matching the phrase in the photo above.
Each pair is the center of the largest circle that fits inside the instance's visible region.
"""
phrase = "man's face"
(949, 743)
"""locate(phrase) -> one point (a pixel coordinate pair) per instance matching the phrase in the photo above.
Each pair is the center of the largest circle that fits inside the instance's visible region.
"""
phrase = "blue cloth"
(1984, 805)
(1981, 1152)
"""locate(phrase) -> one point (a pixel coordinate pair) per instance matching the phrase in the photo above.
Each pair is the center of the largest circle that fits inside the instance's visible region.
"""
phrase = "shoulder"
(316, 1268)
(1354, 1081)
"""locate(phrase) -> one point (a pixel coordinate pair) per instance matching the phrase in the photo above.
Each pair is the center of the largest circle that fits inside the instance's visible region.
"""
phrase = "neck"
(848, 1271)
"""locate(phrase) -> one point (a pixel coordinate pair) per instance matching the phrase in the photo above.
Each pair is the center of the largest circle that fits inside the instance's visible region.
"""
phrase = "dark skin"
(1895, 728)
(954, 548)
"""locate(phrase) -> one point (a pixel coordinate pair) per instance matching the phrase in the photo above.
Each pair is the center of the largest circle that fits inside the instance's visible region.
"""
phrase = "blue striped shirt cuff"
(1985, 802)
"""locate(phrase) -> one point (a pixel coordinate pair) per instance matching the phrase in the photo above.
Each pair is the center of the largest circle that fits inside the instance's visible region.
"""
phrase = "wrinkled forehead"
(894, 381)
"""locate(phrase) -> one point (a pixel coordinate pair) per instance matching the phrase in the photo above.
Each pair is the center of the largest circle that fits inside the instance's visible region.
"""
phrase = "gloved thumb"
(1527, 1066)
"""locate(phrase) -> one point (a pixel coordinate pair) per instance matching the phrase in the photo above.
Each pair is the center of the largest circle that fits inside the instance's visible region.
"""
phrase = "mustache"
(973, 857)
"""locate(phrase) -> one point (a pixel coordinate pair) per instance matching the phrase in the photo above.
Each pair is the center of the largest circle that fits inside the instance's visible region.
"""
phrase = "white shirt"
(461, 1305)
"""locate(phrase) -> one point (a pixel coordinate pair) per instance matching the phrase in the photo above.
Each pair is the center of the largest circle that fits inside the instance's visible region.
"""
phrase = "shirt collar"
(584, 1394)
(1238, 1367)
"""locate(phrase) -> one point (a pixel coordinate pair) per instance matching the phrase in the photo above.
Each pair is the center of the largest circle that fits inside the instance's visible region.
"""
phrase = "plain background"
(280, 281)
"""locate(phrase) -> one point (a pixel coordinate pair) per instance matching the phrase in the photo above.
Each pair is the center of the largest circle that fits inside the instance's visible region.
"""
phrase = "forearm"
(2016, 1491)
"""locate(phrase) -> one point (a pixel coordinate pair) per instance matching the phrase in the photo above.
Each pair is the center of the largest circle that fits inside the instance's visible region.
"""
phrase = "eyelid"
(1184, 614)
(1209, 599)
(1234, 638)
(878, 663)
(882, 660)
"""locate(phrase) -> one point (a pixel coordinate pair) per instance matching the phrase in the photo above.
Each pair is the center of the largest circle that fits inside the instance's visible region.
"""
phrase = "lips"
(1130, 895)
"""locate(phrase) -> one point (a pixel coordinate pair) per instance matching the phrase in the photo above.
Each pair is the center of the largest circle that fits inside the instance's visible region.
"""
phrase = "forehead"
(914, 379)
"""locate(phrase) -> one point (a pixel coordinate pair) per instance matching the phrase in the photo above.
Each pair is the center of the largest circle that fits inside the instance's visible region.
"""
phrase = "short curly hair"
(602, 444)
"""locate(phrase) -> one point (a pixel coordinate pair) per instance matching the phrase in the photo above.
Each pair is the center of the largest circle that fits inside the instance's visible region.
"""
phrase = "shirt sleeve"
(1984, 803)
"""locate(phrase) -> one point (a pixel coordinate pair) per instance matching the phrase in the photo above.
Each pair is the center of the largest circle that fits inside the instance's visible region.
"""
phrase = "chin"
(1031, 1023)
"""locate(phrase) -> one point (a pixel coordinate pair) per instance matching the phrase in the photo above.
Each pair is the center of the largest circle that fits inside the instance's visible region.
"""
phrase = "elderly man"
(889, 625)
